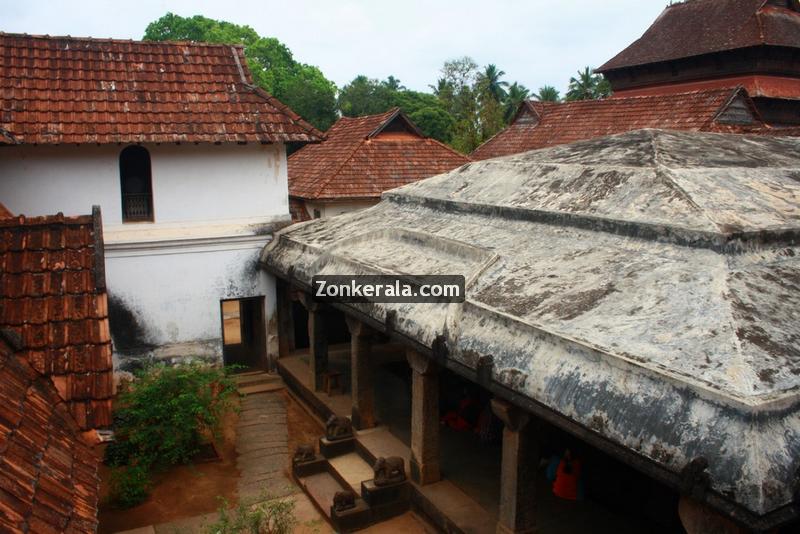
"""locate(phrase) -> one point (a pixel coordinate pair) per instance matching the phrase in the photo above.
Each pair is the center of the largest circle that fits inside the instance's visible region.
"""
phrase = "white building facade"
(191, 179)
(213, 210)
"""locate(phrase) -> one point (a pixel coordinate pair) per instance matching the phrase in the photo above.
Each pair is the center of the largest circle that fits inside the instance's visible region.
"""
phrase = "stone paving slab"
(262, 445)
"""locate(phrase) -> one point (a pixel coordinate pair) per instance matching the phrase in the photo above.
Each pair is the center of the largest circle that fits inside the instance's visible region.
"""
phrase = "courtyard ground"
(256, 455)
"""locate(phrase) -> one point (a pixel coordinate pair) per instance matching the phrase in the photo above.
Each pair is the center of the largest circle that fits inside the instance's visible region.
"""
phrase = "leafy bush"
(264, 516)
(130, 485)
(164, 417)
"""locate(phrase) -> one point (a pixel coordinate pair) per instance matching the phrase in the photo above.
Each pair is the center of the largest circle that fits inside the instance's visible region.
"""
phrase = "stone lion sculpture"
(338, 427)
(344, 500)
(389, 470)
(303, 453)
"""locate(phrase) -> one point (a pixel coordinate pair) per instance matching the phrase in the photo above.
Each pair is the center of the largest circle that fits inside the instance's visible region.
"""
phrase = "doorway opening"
(244, 332)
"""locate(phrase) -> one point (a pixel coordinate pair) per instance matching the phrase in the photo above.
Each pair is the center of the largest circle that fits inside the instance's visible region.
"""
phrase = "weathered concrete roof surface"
(644, 285)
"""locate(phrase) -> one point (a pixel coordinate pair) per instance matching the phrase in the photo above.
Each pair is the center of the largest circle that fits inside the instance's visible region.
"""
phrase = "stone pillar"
(518, 471)
(318, 345)
(424, 418)
(699, 518)
(361, 374)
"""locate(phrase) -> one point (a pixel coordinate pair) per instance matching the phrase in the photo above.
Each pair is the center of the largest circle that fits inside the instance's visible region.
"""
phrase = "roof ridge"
(280, 106)
(451, 149)
(118, 40)
(46, 220)
(333, 175)
(361, 140)
(220, 107)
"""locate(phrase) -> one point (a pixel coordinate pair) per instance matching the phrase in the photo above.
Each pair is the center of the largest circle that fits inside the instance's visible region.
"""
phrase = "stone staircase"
(252, 382)
(344, 466)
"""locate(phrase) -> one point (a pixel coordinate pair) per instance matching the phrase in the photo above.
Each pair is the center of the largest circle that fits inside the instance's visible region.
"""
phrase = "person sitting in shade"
(565, 474)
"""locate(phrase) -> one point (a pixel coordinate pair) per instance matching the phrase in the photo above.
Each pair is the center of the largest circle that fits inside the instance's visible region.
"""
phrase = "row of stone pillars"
(520, 444)
(521, 431)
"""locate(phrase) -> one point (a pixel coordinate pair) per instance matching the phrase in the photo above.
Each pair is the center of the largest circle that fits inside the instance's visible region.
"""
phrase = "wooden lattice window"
(136, 184)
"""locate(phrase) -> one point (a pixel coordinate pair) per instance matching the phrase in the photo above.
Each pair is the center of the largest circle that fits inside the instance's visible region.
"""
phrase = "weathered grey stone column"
(361, 374)
(518, 471)
(318, 344)
(699, 518)
(424, 418)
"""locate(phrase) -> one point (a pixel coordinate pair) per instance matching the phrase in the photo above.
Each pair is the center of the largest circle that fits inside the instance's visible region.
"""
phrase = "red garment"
(455, 421)
(566, 484)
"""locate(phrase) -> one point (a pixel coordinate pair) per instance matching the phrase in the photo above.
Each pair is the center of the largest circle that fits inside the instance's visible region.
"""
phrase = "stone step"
(353, 469)
(321, 487)
(250, 373)
(266, 387)
(256, 378)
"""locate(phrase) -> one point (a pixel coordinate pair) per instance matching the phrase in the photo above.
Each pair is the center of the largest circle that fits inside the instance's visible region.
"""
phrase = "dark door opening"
(244, 332)
(300, 322)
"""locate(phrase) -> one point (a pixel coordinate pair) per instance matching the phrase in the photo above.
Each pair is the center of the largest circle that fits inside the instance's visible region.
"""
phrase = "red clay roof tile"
(48, 473)
(53, 296)
(698, 27)
(566, 122)
(79, 90)
(363, 157)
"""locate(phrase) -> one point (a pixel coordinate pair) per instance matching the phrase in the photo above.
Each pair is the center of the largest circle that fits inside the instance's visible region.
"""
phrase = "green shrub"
(264, 516)
(130, 485)
(166, 414)
(118, 453)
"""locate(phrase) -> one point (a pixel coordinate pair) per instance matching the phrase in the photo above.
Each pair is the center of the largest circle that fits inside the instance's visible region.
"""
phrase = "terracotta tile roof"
(365, 156)
(48, 473)
(567, 122)
(52, 294)
(698, 27)
(298, 211)
(792, 131)
(4, 212)
(78, 90)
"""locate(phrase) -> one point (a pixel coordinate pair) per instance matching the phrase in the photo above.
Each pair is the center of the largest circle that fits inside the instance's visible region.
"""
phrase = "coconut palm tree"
(492, 83)
(517, 94)
(603, 87)
(584, 87)
(547, 93)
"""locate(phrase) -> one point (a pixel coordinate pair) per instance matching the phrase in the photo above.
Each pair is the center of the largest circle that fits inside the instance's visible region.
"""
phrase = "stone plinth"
(330, 448)
(352, 519)
(311, 467)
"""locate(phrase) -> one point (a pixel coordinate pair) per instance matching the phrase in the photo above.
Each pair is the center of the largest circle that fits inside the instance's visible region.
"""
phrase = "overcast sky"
(535, 42)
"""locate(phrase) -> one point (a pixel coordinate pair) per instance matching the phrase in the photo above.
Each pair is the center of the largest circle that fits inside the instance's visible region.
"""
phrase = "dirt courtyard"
(193, 490)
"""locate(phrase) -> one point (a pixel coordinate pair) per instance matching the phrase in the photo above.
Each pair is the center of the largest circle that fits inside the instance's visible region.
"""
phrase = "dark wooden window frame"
(137, 199)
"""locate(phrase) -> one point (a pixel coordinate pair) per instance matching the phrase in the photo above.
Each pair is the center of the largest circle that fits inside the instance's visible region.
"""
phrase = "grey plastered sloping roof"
(645, 286)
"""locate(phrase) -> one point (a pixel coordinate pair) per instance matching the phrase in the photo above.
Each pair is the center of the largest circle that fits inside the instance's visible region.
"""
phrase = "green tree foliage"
(367, 96)
(492, 83)
(492, 96)
(262, 515)
(302, 87)
(588, 86)
(479, 100)
(162, 419)
(547, 93)
(517, 94)
(459, 78)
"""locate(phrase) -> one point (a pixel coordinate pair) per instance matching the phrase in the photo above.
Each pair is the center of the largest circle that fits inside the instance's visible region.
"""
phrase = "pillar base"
(360, 422)
(423, 474)
(699, 518)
